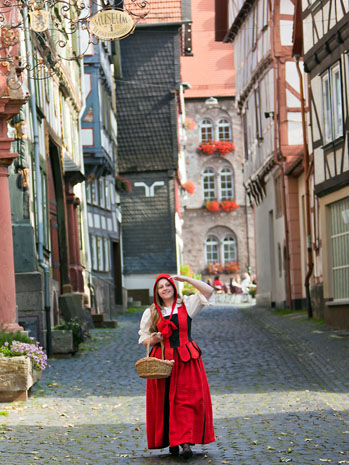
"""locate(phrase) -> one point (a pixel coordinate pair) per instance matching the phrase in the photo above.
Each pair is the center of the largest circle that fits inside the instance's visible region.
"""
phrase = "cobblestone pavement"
(279, 385)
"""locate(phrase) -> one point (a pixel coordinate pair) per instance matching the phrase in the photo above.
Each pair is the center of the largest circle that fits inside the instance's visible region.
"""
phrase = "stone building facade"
(215, 237)
(210, 114)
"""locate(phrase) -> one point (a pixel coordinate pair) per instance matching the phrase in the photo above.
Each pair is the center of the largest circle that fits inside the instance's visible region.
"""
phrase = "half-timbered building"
(268, 99)
(326, 60)
(99, 130)
(46, 186)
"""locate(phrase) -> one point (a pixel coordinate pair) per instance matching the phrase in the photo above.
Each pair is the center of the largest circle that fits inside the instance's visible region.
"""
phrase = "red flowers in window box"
(214, 268)
(208, 148)
(221, 146)
(231, 267)
(225, 205)
(189, 186)
(229, 205)
(212, 206)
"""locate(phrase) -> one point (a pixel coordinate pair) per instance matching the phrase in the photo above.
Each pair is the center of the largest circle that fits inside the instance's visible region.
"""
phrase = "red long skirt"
(179, 408)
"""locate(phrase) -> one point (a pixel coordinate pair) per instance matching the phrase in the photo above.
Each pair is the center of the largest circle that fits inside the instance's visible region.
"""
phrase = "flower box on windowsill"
(225, 205)
(17, 376)
(221, 147)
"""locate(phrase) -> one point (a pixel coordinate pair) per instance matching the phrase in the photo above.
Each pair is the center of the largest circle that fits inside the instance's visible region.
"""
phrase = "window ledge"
(337, 303)
(333, 144)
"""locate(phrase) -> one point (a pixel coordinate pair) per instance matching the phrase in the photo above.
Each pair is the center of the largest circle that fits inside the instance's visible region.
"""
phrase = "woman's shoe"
(174, 450)
(187, 452)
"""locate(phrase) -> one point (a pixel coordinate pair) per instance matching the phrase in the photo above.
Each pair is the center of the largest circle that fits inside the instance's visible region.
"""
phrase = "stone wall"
(198, 223)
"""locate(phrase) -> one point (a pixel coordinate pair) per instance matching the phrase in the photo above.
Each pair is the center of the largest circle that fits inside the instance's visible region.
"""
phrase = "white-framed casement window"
(226, 184)
(229, 249)
(100, 253)
(101, 192)
(94, 192)
(108, 194)
(89, 193)
(259, 130)
(212, 249)
(339, 215)
(106, 255)
(209, 184)
(206, 130)
(223, 129)
(332, 103)
(94, 252)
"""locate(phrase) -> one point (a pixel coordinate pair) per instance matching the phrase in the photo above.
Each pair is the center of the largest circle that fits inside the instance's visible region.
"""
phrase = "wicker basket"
(154, 368)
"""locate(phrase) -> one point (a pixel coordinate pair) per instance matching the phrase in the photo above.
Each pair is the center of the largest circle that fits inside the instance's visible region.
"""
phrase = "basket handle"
(162, 347)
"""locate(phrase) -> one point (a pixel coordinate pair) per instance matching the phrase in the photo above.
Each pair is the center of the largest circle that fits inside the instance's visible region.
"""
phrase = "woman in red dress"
(179, 409)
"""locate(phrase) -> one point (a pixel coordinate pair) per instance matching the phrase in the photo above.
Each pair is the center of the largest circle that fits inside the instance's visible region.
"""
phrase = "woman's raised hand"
(181, 278)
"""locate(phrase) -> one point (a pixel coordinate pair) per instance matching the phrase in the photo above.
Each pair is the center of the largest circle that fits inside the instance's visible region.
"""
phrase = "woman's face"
(165, 289)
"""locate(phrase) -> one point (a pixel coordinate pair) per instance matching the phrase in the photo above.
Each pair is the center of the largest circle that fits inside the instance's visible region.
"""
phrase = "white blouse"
(194, 304)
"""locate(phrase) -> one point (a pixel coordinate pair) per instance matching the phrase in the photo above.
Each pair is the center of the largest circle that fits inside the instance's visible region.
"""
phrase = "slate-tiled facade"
(146, 100)
(148, 151)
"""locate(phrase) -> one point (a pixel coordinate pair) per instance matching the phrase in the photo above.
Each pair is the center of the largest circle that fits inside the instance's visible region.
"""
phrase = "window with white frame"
(332, 103)
(226, 184)
(101, 192)
(108, 194)
(94, 252)
(223, 129)
(88, 193)
(212, 249)
(106, 255)
(206, 130)
(94, 192)
(209, 184)
(229, 249)
(223, 250)
(339, 216)
(100, 252)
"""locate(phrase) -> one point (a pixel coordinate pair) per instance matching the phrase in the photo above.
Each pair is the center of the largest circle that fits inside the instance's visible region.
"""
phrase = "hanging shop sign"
(111, 24)
(39, 20)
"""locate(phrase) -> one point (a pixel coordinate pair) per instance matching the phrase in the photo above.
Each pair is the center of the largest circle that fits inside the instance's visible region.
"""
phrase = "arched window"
(206, 130)
(223, 130)
(212, 249)
(229, 249)
(209, 184)
(226, 184)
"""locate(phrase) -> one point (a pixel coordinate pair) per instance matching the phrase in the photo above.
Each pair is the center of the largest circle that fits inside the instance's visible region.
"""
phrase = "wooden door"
(53, 218)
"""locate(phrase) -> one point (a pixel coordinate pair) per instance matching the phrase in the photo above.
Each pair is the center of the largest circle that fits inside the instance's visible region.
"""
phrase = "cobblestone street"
(279, 386)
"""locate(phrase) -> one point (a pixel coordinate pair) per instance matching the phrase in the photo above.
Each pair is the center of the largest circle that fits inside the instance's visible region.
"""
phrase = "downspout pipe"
(276, 160)
(307, 173)
(38, 185)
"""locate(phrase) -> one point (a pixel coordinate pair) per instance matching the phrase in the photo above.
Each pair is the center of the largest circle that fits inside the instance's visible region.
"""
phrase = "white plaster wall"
(270, 285)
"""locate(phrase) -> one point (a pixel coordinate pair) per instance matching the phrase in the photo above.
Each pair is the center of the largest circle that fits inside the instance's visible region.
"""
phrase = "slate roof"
(146, 100)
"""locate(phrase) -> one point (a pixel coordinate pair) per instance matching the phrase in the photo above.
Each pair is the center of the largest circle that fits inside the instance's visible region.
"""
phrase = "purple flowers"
(33, 351)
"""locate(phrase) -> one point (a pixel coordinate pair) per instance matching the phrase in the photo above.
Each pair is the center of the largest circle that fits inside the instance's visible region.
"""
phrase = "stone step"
(110, 324)
(98, 320)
